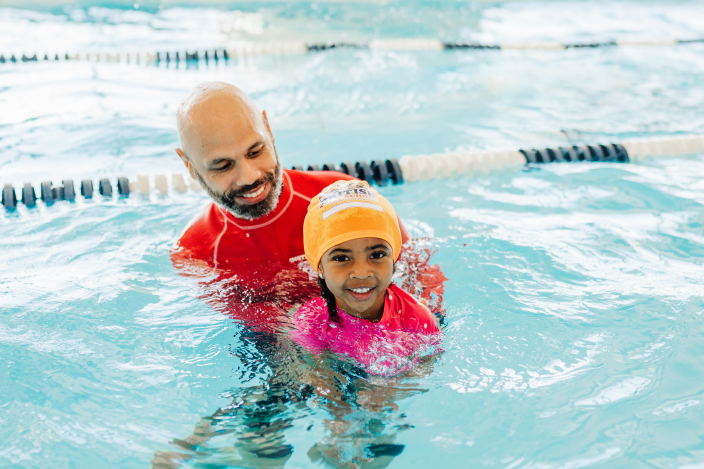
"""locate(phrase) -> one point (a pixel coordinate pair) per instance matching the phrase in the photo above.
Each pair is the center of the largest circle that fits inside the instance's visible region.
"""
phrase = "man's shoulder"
(207, 223)
(310, 183)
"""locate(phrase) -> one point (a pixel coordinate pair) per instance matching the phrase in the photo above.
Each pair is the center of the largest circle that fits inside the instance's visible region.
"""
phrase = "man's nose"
(246, 173)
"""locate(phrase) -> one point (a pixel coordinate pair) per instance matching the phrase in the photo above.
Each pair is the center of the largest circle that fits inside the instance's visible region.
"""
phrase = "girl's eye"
(378, 255)
(340, 258)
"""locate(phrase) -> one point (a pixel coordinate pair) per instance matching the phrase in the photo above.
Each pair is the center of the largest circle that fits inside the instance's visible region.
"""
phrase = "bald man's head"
(227, 145)
(207, 103)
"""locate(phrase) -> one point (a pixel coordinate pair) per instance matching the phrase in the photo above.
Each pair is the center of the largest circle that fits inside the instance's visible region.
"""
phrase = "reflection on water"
(250, 431)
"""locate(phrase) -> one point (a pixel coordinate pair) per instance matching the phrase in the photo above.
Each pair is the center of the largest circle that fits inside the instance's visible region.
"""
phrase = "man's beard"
(229, 202)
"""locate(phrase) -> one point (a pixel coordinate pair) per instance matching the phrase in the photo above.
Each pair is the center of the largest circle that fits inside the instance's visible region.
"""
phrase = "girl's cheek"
(335, 284)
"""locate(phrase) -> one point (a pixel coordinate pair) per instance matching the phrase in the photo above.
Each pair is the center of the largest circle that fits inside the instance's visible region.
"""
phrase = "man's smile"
(256, 195)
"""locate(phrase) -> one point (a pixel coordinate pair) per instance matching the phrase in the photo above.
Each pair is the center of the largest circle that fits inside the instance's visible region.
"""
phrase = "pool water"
(574, 298)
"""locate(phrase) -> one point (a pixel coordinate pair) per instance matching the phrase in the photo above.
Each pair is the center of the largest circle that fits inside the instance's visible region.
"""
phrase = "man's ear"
(268, 127)
(186, 161)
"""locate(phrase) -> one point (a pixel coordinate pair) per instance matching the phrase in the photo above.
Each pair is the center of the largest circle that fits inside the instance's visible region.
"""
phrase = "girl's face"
(358, 272)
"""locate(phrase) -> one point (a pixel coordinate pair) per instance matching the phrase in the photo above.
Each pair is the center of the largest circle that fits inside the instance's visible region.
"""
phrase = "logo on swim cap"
(347, 191)
(348, 194)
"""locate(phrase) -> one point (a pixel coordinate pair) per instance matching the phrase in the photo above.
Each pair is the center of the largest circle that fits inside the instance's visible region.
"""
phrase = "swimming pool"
(574, 296)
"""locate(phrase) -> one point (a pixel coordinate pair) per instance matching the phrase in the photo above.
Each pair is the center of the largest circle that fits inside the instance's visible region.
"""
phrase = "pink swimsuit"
(405, 333)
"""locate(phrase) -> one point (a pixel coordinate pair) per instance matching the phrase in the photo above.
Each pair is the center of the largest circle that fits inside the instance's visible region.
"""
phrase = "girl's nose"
(360, 270)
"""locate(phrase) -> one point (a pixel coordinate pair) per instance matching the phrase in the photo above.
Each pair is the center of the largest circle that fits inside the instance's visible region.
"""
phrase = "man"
(258, 210)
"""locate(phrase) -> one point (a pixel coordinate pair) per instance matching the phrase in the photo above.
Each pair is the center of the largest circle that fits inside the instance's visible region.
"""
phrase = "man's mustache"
(250, 187)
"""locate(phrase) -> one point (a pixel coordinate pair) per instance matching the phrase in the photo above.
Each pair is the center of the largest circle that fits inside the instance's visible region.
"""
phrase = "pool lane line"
(86, 189)
(301, 47)
(470, 163)
(408, 168)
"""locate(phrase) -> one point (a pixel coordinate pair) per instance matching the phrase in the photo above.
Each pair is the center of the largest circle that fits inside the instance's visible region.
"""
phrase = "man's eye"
(222, 167)
(255, 153)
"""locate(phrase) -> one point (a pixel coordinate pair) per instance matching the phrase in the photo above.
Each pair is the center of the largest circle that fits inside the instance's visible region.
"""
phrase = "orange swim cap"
(348, 210)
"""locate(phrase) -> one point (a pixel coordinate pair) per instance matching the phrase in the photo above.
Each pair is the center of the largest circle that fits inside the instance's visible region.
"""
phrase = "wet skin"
(358, 272)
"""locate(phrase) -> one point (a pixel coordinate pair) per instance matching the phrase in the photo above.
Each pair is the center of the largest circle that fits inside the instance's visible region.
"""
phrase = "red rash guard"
(256, 270)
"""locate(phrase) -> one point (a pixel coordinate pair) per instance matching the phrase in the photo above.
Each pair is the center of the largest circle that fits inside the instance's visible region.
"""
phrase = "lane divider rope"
(470, 163)
(409, 168)
(300, 47)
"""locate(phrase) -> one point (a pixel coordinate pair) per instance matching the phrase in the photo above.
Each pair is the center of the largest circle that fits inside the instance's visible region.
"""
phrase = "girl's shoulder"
(314, 311)
(310, 323)
(403, 311)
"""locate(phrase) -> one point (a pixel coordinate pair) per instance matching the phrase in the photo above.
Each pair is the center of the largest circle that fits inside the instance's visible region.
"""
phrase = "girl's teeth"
(361, 290)
(254, 194)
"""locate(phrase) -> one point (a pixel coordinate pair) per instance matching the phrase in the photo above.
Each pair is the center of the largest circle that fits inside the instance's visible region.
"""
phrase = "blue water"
(574, 297)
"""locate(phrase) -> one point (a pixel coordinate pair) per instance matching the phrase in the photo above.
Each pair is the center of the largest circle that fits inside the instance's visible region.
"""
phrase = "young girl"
(351, 237)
